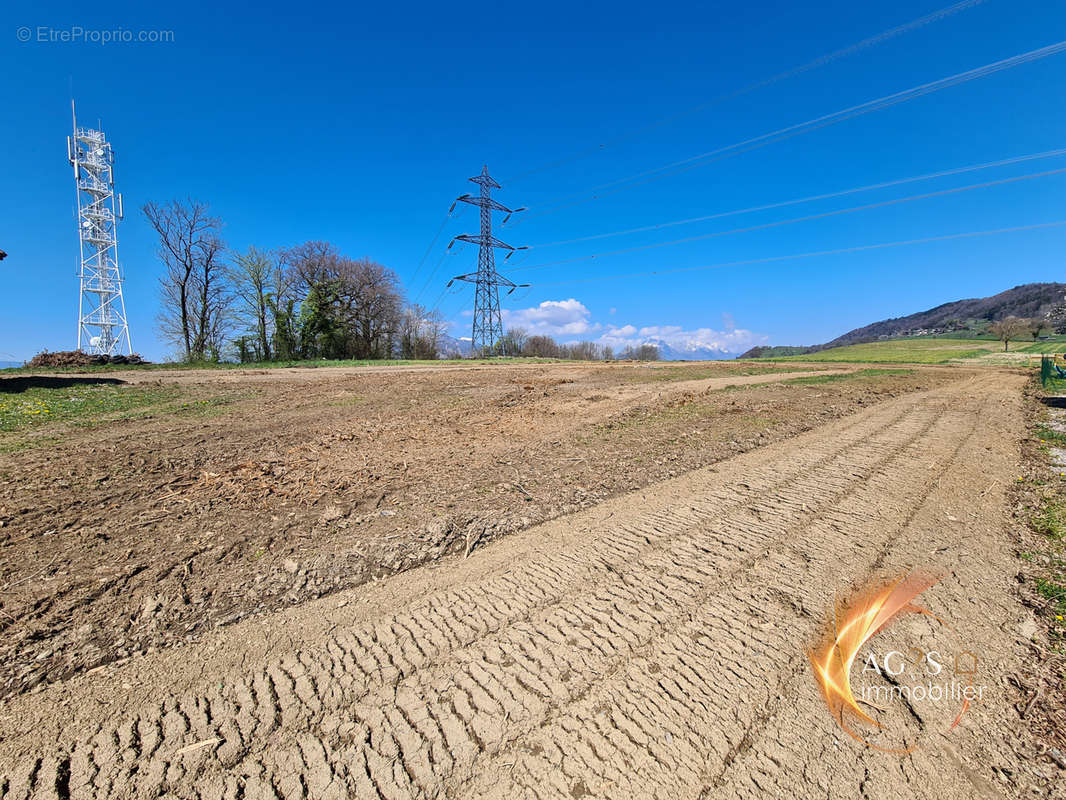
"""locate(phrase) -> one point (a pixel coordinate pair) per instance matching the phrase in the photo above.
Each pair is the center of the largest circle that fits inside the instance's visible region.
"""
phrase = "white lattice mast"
(102, 327)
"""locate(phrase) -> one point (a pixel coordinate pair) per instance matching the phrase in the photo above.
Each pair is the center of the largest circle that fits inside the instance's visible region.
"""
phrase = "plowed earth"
(648, 640)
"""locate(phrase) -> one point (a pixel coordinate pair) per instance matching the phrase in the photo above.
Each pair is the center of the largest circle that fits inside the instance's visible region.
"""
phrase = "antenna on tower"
(488, 321)
(102, 328)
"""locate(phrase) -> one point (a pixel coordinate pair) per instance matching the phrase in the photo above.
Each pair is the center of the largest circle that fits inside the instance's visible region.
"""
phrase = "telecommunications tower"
(488, 322)
(102, 328)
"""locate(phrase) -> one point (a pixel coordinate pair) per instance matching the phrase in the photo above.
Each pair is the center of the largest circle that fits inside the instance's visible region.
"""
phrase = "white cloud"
(559, 318)
(571, 321)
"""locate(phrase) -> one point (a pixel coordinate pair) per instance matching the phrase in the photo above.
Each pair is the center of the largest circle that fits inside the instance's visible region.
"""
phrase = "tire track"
(775, 590)
(599, 647)
(761, 770)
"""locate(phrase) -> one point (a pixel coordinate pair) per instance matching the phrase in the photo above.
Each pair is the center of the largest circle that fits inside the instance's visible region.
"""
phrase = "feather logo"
(856, 623)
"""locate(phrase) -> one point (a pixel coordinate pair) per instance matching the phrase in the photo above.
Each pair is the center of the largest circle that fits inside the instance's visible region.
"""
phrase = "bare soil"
(645, 637)
(132, 535)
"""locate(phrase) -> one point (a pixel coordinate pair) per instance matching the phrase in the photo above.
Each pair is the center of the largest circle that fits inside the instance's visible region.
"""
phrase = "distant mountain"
(9, 364)
(1045, 300)
(451, 347)
(691, 352)
(1030, 300)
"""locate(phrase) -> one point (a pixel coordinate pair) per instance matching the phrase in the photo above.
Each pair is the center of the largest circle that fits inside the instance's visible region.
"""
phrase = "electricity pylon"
(102, 327)
(488, 321)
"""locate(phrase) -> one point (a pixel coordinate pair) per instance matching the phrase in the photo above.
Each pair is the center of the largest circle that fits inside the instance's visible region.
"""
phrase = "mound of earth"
(76, 358)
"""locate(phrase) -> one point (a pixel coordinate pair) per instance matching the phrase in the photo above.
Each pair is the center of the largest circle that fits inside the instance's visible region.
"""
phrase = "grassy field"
(925, 350)
(905, 351)
(41, 406)
(36, 416)
(1056, 345)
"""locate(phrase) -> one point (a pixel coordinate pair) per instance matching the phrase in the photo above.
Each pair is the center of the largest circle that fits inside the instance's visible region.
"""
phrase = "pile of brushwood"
(76, 358)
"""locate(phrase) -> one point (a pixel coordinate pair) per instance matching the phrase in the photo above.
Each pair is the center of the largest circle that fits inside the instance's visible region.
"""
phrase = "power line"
(839, 251)
(828, 58)
(433, 242)
(809, 199)
(432, 274)
(807, 218)
(685, 164)
(436, 303)
(452, 214)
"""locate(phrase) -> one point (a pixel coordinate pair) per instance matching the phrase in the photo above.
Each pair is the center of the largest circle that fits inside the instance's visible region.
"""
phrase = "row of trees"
(308, 301)
(518, 342)
(303, 302)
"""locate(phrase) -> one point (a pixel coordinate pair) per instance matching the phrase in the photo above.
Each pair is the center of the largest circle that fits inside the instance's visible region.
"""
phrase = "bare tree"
(648, 352)
(421, 332)
(375, 304)
(513, 342)
(643, 352)
(583, 351)
(541, 347)
(1009, 328)
(256, 277)
(311, 263)
(193, 289)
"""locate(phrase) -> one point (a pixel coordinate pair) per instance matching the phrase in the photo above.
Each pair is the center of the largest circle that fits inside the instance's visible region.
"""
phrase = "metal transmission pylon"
(102, 327)
(488, 321)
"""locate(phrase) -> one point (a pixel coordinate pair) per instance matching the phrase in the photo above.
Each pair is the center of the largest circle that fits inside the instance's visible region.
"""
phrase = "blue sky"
(359, 124)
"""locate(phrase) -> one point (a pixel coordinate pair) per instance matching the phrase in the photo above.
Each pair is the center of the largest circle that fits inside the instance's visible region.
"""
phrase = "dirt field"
(231, 603)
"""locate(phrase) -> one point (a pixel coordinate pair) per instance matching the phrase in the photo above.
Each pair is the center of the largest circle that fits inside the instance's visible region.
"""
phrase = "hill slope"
(1028, 300)
(1044, 300)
